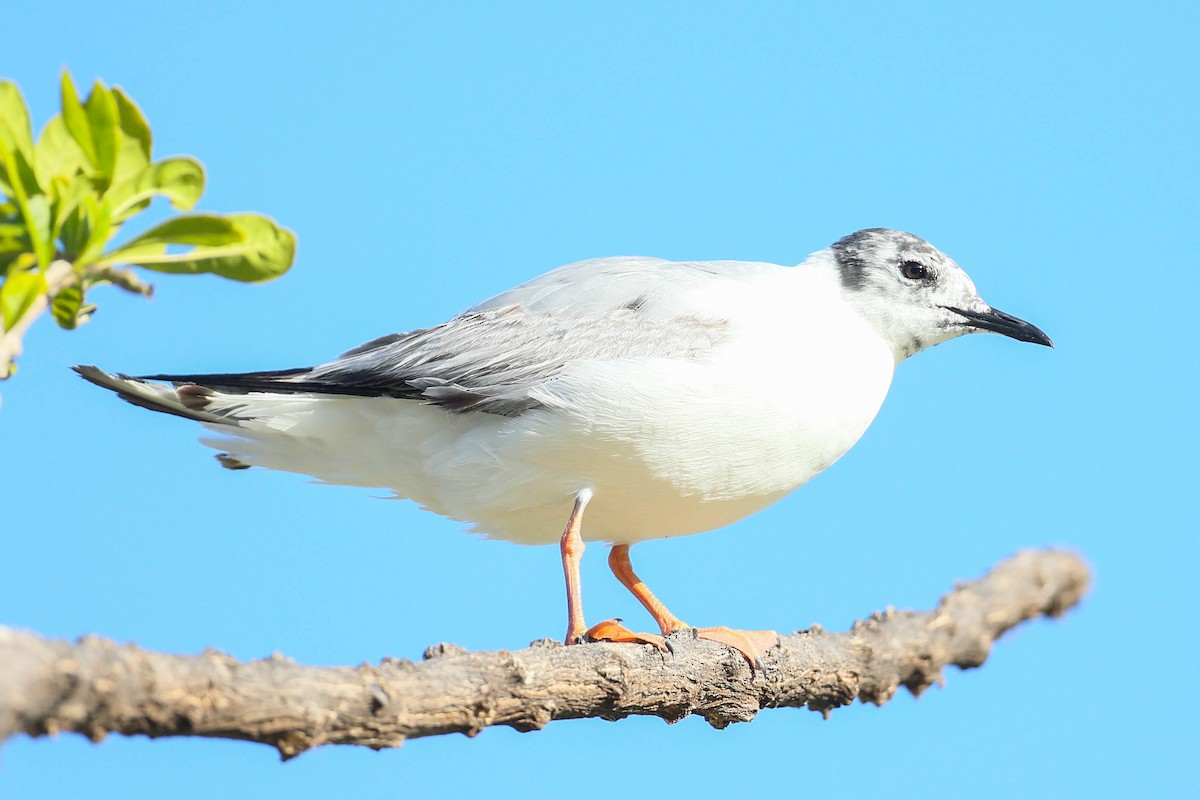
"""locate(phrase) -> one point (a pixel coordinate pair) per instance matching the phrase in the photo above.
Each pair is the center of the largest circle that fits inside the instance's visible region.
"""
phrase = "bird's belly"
(698, 456)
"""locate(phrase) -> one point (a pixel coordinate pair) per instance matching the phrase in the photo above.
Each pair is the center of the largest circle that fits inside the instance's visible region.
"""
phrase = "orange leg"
(618, 562)
(750, 644)
(572, 548)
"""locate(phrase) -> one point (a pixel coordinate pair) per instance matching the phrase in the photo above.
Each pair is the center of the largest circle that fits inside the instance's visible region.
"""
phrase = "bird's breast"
(766, 427)
(677, 446)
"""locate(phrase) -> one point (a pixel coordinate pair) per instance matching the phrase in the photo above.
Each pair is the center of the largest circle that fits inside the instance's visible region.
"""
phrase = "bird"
(611, 400)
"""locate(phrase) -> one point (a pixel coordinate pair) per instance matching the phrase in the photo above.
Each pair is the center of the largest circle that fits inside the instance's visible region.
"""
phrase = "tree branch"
(95, 686)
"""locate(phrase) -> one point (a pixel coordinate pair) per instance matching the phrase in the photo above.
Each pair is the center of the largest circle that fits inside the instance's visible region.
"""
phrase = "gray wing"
(491, 356)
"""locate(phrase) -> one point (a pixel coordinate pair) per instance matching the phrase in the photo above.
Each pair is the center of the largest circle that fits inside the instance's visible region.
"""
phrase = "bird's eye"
(914, 271)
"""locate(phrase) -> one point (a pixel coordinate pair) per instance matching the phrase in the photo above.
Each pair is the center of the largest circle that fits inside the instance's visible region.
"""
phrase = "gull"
(617, 399)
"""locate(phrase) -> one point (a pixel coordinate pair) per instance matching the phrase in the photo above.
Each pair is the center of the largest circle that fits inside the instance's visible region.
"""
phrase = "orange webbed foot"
(611, 630)
(751, 644)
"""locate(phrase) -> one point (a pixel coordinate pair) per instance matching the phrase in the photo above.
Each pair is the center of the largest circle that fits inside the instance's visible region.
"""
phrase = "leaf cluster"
(65, 197)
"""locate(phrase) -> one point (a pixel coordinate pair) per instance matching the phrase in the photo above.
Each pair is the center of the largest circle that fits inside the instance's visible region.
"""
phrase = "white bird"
(617, 399)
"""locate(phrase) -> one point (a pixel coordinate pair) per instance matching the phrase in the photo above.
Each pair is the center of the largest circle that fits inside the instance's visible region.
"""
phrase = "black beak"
(1007, 324)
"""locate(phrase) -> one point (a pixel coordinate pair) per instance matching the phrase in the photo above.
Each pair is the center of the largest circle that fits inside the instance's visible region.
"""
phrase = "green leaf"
(11, 263)
(24, 260)
(130, 159)
(15, 131)
(133, 254)
(269, 252)
(72, 229)
(133, 140)
(37, 217)
(75, 117)
(16, 143)
(263, 251)
(18, 292)
(13, 238)
(35, 209)
(206, 230)
(67, 307)
(102, 116)
(133, 122)
(16, 172)
(180, 180)
(98, 215)
(58, 154)
(67, 194)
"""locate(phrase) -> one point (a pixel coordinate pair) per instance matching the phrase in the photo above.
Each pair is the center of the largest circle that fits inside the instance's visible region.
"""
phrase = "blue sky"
(430, 155)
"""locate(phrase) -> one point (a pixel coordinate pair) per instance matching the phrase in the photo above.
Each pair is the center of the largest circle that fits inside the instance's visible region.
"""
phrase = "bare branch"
(95, 686)
(125, 279)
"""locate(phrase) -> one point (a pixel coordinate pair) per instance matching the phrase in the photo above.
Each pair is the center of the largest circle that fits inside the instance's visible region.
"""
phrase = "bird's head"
(914, 295)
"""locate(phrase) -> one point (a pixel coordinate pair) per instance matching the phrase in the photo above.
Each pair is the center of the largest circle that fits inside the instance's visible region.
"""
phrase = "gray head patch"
(869, 248)
(904, 287)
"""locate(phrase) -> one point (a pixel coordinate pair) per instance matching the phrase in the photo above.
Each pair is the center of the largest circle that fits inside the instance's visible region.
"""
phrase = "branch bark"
(95, 687)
